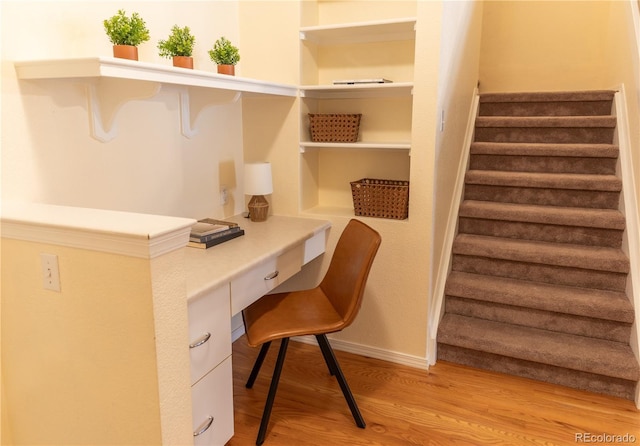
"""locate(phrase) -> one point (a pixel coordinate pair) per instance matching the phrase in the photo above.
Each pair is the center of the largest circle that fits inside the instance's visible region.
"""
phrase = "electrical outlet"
(50, 272)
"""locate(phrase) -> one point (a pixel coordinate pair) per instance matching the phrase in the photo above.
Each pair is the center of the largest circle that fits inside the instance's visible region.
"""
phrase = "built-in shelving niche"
(110, 83)
(360, 50)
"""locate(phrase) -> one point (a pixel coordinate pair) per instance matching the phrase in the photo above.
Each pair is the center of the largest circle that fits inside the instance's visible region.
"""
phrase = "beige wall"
(79, 366)
(47, 153)
(459, 71)
(270, 125)
(540, 45)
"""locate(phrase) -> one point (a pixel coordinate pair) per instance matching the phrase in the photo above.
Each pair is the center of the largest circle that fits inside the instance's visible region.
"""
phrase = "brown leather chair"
(328, 308)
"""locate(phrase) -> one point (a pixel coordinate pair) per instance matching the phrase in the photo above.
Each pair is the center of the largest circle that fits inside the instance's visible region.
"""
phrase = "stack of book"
(210, 232)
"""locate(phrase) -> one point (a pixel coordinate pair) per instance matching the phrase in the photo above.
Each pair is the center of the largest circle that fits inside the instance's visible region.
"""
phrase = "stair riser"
(541, 232)
(539, 196)
(556, 164)
(577, 277)
(551, 108)
(529, 317)
(616, 387)
(555, 135)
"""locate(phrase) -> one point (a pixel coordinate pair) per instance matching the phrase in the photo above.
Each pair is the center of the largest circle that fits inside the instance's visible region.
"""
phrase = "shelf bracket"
(193, 102)
(106, 96)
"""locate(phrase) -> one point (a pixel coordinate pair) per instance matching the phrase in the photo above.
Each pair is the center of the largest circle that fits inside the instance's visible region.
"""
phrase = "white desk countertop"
(208, 268)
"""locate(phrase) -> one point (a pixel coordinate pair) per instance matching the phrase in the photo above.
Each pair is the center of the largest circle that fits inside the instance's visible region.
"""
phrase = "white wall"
(47, 153)
(457, 80)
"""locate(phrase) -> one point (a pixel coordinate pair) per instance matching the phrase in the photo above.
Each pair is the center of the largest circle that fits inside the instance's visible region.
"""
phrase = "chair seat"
(298, 313)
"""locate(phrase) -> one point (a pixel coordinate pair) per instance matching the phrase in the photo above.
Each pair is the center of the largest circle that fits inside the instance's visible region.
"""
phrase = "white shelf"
(375, 31)
(304, 145)
(109, 86)
(328, 211)
(101, 67)
(356, 90)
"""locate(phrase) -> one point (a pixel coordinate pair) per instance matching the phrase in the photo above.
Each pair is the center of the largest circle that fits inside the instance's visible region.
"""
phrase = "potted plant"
(225, 55)
(179, 46)
(126, 33)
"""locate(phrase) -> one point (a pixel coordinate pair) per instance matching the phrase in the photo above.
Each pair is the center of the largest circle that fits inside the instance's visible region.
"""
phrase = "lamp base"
(258, 208)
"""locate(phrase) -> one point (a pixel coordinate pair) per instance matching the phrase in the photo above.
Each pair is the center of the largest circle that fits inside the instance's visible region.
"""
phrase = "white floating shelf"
(109, 86)
(96, 67)
(304, 145)
(374, 31)
(356, 90)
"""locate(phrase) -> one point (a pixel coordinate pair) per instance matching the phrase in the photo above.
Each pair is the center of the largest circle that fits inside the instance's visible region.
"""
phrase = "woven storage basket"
(334, 127)
(381, 198)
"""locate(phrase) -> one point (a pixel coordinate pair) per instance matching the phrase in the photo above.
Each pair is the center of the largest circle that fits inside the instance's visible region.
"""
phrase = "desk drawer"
(209, 331)
(255, 283)
(212, 401)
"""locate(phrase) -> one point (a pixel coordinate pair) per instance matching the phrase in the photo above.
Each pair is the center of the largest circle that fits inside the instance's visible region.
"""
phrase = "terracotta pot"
(183, 61)
(125, 52)
(227, 69)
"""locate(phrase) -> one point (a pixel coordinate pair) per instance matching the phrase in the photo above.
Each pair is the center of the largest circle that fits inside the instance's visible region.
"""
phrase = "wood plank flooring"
(448, 405)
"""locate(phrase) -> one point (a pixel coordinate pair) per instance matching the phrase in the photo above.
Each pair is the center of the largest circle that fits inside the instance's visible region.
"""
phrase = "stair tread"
(598, 356)
(549, 96)
(545, 149)
(552, 215)
(546, 121)
(575, 181)
(587, 302)
(558, 254)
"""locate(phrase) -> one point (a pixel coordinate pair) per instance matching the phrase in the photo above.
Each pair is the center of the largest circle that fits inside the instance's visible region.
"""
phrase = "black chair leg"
(327, 351)
(256, 366)
(266, 414)
(326, 358)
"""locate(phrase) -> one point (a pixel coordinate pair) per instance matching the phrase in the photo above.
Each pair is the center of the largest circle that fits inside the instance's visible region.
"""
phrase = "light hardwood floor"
(448, 405)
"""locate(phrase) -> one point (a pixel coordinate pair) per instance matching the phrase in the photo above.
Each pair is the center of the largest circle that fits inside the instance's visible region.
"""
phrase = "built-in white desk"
(163, 288)
(221, 282)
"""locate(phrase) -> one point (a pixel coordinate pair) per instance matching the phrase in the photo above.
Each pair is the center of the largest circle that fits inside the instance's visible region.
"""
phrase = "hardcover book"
(215, 235)
(217, 240)
(202, 229)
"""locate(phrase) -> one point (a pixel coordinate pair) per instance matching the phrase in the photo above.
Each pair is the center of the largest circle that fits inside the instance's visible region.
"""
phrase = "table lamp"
(258, 183)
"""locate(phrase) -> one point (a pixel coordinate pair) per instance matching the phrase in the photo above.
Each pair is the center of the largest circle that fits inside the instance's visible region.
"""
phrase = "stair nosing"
(553, 215)
(567, 350)
(599, 121)
(548, 96)
(573, 181)
(569, 150)
(596, 258)
(585, 302)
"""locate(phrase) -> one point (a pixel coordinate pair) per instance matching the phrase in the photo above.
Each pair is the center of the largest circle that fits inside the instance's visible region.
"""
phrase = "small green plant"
(224, 53)
(179, 43)
(123, 30)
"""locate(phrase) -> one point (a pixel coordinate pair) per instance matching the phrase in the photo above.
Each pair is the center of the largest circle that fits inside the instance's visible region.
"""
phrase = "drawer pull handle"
(272, 276)
(201, 340)
(204, 426)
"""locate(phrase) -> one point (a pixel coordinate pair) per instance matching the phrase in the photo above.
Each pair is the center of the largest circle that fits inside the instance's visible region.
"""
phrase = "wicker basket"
(334, 127)
(381, 198)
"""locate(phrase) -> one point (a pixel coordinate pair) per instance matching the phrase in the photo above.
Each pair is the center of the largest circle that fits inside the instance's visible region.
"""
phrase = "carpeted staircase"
(537, 287)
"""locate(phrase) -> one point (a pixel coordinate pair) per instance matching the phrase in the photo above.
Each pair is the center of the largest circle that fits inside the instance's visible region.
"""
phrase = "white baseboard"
(371, 352)
(358, 349)
(237, 333)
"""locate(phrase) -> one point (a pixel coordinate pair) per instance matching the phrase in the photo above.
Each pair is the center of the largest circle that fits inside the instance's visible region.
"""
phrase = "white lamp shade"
(257, 179)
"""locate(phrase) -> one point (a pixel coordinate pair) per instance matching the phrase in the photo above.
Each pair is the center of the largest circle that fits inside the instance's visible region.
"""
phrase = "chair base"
(334, 369)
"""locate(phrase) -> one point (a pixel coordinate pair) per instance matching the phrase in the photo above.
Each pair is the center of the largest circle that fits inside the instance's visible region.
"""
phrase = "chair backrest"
(349, 268)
